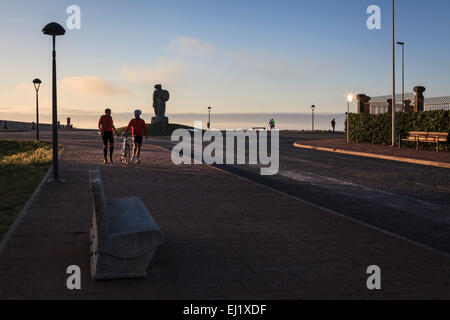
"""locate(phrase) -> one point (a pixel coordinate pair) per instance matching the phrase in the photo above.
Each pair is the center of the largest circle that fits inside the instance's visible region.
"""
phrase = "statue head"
(158, 87)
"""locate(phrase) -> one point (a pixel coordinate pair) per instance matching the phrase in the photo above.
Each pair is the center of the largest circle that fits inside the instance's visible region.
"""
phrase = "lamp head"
(313, 107)
(209, 108)
(37, 83)
(350, 98)
(400, 43)
(53, 29)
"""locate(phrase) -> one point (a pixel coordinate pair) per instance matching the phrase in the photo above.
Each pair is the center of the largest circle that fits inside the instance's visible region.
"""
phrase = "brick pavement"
(226, 238)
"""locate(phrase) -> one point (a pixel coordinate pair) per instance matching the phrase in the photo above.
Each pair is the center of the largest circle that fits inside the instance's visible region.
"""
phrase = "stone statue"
(160, 97)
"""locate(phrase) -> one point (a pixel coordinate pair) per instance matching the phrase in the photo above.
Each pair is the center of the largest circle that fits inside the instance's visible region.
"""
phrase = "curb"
(376, 156)
(24, 212)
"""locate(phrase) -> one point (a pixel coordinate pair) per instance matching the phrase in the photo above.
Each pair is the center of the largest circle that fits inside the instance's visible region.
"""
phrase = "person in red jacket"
(106, 127)
(139, 128)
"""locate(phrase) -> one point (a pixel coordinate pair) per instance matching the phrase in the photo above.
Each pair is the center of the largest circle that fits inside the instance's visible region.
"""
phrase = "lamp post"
(312, 108)
(403, 73)
(54, 29)
(37, 84)
(349, 100)
(209, 118)
(393, 73)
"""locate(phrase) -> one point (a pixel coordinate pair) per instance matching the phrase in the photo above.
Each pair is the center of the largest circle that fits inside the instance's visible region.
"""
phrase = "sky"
(237, 56)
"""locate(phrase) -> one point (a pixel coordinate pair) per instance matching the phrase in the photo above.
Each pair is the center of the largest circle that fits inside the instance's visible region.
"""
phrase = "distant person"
(272, 124)
(139, 128)
(333, 125)
(106, 127)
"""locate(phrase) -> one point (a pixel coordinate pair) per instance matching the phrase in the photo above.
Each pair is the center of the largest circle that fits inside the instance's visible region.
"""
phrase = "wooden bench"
(124, 236)
(426, 137)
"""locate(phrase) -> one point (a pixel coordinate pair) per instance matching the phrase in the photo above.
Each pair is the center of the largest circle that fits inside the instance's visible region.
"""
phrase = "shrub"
(378, 128)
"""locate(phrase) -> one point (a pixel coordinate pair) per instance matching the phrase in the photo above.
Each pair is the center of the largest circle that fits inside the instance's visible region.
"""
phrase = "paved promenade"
(225, 238)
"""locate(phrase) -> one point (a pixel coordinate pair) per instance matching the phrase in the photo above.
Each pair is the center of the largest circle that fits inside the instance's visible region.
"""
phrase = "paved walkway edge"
(329, 211)
(23, 212)
(374, 155)
(341, 215)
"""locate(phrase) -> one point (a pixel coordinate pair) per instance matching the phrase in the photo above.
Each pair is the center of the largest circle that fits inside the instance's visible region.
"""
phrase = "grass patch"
(23, 164)
(160, 129)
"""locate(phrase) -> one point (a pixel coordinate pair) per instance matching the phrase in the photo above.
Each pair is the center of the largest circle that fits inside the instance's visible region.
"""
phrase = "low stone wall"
(17, 125)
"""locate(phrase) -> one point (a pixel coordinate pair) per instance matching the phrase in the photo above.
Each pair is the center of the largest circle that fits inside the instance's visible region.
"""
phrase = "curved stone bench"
(124, 236)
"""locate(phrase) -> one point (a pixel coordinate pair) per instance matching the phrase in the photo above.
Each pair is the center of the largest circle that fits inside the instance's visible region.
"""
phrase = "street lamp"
(403, 73)
(349, 100)
(54, 29)
(37, 84)
(393, 73)
(209, 118)
(312, 108)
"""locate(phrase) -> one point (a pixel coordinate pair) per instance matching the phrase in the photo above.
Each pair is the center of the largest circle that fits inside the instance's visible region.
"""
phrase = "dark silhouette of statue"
(160, 97)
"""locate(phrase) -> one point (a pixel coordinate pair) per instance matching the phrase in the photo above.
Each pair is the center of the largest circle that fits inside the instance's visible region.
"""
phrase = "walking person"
(106, 127)
(333, 125)
(272, 124)
(139, 128)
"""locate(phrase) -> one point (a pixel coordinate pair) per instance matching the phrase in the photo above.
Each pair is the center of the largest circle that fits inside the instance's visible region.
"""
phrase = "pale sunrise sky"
(239, 56)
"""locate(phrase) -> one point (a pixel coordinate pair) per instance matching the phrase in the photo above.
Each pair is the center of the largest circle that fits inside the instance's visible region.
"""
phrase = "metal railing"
(379, 104)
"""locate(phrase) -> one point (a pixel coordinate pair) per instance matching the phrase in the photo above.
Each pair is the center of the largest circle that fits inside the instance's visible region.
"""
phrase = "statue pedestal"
(160, 120)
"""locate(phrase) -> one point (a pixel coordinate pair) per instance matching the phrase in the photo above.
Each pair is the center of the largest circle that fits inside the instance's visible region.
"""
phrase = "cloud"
(23, 95)
(191, 47)
(92, 85)
(271, 66)
(164, 70)
(262, 63)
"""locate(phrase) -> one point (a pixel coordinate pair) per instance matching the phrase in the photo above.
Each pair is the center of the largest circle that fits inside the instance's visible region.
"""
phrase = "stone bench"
(124, 236)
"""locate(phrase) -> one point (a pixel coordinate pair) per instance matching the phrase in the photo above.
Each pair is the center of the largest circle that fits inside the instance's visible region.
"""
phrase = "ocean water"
(284, 121)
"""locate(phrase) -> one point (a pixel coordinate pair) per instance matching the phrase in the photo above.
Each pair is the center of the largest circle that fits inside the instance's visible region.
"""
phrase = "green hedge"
(378, 128)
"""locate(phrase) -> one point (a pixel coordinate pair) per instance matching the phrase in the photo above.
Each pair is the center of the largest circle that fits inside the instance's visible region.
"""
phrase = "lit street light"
(312, 108)
(403, 73)
(349, 100)
(37, 84)
(54, 29)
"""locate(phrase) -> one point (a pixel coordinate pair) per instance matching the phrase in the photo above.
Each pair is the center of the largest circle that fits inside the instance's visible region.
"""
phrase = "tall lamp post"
(349, 100)
(209, 118)
(37, 84)
(403, 73)
(312, 108)
(393, 73)
(54, 29)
